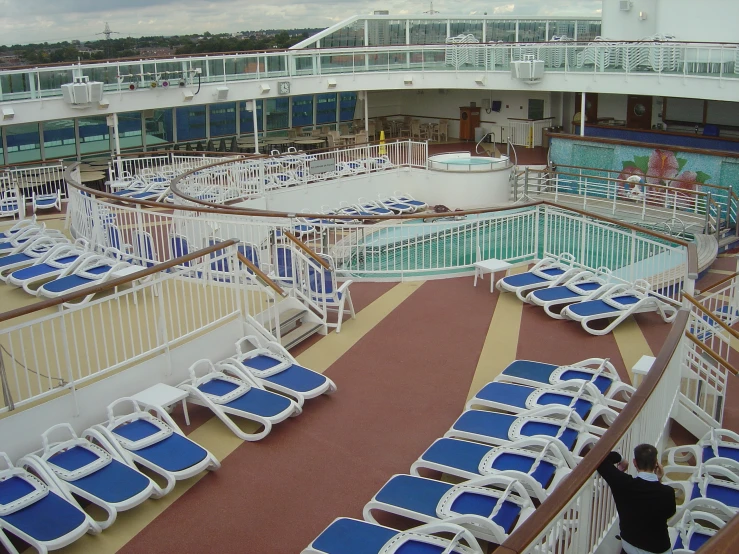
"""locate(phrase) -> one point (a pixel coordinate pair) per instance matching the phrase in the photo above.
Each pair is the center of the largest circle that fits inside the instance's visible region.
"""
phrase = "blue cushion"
(261, 362)
(113, 483)
(531, 428)
(256, 401)
(582, 407)
(555, 293)
(723, 452)
(15, 259)
(532, 371)
(478, 504)
(297, 378)
(41, 269)
(175, 453)
(488, 424)
(50, 518)
(524, 280)
(697, 540)
(728, 496)
(66, 284)
(599, 307)
(543, 474)
(349, 536)
(464, 455)
(413, 493)
(505, 393)
(602, 382)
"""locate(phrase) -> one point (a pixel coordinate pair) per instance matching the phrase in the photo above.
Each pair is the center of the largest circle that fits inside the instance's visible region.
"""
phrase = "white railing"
(66, 349)
(36, 179)
(697, 60)
(628, 201)
(528, 132)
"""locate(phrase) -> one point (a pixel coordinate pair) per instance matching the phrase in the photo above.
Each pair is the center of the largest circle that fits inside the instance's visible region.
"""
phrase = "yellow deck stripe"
(721, 271)
(631, 343)
(501, 342)
(217, 438)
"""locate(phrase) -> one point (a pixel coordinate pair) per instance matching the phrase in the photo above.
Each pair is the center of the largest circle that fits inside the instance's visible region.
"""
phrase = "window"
(24, 143)
(326, 109)
(222, 119)
(277, 113)
(59, 139)
(536, 108)
(302, 110)
(190, 123)
(129, 130)
(158, 126)
(247, 117)
(94, 134)
(347, 105)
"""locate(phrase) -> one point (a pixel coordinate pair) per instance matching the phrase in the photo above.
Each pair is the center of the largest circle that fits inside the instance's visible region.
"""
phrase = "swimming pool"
(465, 162)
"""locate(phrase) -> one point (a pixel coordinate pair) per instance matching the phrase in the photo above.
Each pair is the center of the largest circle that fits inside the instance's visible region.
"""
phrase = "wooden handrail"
(733, 332)
(521, 538)
(720, 282)
(261, 274)
(107, 285)
(723, 542)
(304, 247)
(711, 352)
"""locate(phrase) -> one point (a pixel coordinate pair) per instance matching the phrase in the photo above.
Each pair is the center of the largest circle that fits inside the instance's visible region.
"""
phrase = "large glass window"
(190, 123)
(326, 108)
(222, 119)
(587, 30)
(129, 130)
(463, 27)
(427, 32)
(24, 144)
(158, 127)
(247, 117)
(277, 113)
(351, 35)
(532, 31)
(94, 134)
(501, 31)
(386, 32)
(347, 105)
(59, 139)
(302, 110)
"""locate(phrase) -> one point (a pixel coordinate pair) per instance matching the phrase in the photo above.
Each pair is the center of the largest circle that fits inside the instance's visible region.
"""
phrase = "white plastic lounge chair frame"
(82, 270)
(17, 227)
(57, 262)
(334, 299)
(574, 285)
(719, 441)
(646, 303)
(276, 350)
(230, 371)
(483, 528)
(103, 433)
(703, 476)
(39, 463)
(689, 525)
(10, 471)
(564, 262)
(423, 533)
(34, 251)
(47, 201)
(539, 449)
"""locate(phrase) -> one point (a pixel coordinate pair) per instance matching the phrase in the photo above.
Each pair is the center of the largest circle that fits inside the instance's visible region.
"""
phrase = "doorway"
(639, 112)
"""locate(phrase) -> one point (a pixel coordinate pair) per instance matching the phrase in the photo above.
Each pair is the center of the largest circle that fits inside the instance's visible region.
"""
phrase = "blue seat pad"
(50, 518)
(423, 496)
(113, 483)
(488, 424)
(569, 437)
(533, 371)
(555, 293)
(45, 201)
(42, 269)
(505, 393)
(256, 401)
(464, 455)
(529, 278)
(582, 407)
(723, 452)
(697, 540)
(602, 382)
(297, 378)
(15, 259)
(543, 473)
(175, 453)
(728, 496)
(349, 536)
(599, 307)
(73, 281)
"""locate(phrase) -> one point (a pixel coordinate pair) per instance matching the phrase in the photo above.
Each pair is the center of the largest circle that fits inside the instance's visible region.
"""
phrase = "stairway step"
(299, 334)
(288, 320)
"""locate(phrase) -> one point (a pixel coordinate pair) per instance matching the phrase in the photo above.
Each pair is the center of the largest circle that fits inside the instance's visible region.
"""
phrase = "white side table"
(163, 396)
(641, 368)
(491, 266)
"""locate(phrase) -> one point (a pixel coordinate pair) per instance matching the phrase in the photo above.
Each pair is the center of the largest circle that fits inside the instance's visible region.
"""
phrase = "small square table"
(641, 368)
(491, 266)
(163, 396)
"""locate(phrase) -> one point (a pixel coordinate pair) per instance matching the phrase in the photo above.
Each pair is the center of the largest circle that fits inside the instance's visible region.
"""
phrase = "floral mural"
(662, 168)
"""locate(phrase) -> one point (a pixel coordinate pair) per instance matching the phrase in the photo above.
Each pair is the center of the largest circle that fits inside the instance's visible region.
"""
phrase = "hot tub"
(464, 162)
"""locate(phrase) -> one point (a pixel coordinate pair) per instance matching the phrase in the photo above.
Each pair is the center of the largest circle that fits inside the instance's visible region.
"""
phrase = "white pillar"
(366, 113)
(256, 126)
(582, 115)
(117, 142)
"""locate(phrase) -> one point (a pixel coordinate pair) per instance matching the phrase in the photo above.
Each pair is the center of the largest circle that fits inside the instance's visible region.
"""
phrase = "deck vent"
(529, 70)
(625, 5)
(82, 93)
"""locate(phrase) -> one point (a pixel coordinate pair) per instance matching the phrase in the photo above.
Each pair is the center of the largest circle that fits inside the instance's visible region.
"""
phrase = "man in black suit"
(644, 504)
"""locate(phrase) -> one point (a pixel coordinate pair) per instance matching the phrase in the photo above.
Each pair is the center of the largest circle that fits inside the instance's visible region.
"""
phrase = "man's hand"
(623, 465)
(659, 471)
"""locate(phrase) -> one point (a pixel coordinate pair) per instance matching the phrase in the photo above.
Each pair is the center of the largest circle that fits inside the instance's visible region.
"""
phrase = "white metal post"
(256, 125)
(366, 113)
(582, 115)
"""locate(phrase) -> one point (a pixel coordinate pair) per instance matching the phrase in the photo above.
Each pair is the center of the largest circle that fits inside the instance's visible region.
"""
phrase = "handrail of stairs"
(261, 275)
(305, 248)
(712, 317)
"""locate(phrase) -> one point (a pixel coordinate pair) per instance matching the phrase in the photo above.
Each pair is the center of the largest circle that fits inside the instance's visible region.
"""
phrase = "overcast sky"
(25, 21)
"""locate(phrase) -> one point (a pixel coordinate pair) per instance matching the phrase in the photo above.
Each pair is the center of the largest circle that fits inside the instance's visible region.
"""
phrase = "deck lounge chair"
(396, 206)
(719, 446)
(557, 423)
(695, 528)
(599, 371)
(17, 227)
(154, 442)
(20, 240)
(92, 271)
(36, 513)
(277, 370)
(709, 485)
(617, 306)
(545, 273)
(324, 290)
(584, 398)
(47, 201)
(352, 536)
(538, 463)
(11, 203)
(63, 258)
(491, 507)
(585, 286)
(227, 390)
(31, 252)
(375, 208)
(82, 469)
(353, 210)
(143, 248)
(405, 198)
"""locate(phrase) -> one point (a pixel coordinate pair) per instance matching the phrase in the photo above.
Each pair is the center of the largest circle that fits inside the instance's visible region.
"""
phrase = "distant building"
(156, 51)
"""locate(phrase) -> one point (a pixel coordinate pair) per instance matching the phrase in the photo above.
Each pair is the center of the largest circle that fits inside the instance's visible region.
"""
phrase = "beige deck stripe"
(217, 438)
(721, 271)
(631, 343)
(320, 356)
(501, 342)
